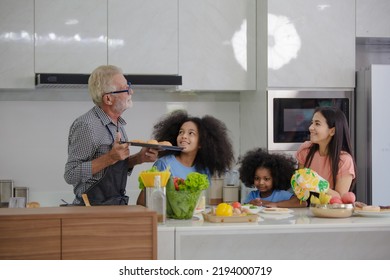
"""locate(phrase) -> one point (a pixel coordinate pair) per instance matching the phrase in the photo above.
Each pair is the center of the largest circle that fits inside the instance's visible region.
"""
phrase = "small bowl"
(332, 210)
(148, 177)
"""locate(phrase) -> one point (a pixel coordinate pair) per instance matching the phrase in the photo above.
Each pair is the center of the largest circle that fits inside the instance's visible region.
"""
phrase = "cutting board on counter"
(212, 218)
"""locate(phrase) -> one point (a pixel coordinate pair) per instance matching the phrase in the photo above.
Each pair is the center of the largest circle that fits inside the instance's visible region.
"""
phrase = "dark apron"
(111, 189)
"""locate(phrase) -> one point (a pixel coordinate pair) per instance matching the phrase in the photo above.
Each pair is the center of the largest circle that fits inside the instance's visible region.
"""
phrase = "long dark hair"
(216, 152)
(340, 141)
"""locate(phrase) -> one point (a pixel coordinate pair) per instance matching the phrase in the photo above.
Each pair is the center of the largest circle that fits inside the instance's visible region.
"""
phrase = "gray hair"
(100, 82)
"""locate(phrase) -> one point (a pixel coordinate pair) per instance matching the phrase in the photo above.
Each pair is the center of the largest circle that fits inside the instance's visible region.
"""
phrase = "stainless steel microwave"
(290, 113)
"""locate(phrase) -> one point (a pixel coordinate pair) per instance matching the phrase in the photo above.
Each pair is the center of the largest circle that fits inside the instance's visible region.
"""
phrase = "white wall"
(34, 130)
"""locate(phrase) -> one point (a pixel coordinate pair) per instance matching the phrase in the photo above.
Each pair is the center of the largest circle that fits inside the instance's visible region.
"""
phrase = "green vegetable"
(194, 182)
(182, 200)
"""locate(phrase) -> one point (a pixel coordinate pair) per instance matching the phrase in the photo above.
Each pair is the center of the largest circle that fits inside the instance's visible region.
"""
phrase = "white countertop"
(300, 217)
(298, 235)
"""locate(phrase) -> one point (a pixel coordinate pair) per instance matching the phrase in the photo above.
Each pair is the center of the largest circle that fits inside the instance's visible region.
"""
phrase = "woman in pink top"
(329, 151)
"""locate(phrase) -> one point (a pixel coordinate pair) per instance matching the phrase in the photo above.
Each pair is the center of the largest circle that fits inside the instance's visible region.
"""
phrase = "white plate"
(253, 208)
(276, 211)
(372, 214)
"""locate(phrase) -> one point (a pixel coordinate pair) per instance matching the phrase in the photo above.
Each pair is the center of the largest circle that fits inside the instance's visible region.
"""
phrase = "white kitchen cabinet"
(311, 43)
(217, 46)
(17, 44)
(143, 36)
(372, 18)
(166, 243)
(71, 35)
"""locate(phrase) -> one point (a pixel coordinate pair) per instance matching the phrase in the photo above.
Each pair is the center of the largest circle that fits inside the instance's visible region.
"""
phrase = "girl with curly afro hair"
(270, 174)
(206, 145)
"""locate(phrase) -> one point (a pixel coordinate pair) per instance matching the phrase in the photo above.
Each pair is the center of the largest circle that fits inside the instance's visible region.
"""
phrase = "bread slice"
(371, 208)
(384, 208)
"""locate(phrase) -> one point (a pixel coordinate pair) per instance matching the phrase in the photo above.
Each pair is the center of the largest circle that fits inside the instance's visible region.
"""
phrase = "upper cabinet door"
(17, 44)
(143, 36)
(311, 43)
(217, 46)
(71, 35)
(373, 18)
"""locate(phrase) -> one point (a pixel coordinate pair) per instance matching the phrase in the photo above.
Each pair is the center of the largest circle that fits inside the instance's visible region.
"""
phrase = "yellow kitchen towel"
(306, 180)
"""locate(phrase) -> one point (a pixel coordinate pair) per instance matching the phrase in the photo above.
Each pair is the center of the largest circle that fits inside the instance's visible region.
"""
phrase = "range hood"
(49, 80)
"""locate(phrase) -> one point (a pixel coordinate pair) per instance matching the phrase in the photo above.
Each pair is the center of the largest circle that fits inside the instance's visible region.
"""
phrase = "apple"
(348, 198)
(335, 200)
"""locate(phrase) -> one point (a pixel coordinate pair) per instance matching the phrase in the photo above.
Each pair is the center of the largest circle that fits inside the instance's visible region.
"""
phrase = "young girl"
(329, 151)
(207, 148)
(270, 174)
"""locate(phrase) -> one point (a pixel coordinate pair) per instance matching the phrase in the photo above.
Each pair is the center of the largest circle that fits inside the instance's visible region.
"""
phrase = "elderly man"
(98, 161)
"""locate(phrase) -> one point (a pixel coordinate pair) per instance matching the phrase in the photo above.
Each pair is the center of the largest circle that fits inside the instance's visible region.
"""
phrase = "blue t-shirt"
(276, 196)
(176, 168)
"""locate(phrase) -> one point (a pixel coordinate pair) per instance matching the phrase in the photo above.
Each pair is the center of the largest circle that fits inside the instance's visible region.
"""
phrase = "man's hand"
(148, 155)
(119, 151)
(145, 155)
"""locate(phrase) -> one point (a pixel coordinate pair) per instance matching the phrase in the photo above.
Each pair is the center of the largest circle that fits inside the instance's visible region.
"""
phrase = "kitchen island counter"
(298, 235)
(98, 232)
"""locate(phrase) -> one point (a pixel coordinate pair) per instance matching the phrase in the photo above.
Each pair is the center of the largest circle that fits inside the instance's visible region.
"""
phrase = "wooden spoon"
(85, 199)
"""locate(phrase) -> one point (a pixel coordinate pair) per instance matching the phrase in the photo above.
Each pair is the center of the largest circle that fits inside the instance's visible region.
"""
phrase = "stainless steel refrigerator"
(373, 135)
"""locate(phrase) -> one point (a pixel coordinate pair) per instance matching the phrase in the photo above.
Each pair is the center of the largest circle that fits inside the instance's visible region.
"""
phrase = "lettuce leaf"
(196, 182)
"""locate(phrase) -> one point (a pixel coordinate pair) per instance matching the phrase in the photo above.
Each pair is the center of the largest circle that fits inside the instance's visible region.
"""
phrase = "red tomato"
(236, 205)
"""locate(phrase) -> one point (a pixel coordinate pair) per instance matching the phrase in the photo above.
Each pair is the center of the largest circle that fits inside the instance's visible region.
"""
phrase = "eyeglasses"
(120, 91)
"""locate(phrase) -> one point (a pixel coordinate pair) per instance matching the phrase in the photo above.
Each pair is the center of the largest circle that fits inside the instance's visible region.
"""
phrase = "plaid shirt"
(90, 136)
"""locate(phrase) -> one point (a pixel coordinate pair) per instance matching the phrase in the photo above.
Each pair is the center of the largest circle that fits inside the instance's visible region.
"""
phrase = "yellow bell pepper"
(224, 209)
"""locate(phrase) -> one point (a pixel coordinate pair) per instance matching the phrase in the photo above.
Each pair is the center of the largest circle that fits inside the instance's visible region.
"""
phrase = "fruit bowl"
(332, 210)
